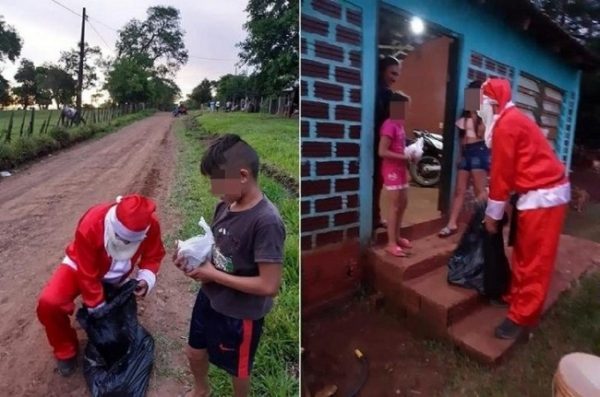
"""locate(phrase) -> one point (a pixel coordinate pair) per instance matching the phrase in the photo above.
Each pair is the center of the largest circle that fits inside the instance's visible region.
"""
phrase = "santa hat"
(132, 218)
(498, 91)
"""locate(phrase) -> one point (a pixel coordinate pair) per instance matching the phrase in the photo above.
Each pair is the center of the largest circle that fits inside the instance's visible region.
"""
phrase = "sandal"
(396, 251)
(404, 243)
(447, 232)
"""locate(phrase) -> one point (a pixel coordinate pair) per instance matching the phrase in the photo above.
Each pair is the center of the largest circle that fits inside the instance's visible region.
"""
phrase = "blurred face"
(391, 74)
(397, 110)
(229, 185)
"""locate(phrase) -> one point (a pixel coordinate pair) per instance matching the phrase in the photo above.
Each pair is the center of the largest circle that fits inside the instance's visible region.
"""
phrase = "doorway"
(429, 77)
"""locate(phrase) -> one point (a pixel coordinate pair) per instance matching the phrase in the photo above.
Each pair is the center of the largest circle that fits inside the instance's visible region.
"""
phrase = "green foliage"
(5, 97)
(26, 75)
(159, 37)
(60, 135)
(272, 43)
(202, 93)
(92, 60)
(129, 80)
(10, 42)
(164, 93)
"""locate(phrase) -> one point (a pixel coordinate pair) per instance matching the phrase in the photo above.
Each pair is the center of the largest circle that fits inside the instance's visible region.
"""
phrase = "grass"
(275, 138)
(276, 363)
(22, 149)
(573, 325)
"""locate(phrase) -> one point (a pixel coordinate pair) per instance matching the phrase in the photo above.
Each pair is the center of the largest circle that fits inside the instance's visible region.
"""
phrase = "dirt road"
(39, 209)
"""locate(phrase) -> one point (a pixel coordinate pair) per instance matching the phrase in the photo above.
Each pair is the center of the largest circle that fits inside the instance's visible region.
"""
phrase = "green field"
(40, 117)
(275, 138)
(276, 367)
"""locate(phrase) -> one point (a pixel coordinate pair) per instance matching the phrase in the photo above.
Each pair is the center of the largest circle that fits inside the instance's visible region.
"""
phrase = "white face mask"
(489, 119)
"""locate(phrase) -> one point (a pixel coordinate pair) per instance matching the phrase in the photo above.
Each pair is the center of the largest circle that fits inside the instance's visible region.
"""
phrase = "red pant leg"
(534, 255)
(55, 304)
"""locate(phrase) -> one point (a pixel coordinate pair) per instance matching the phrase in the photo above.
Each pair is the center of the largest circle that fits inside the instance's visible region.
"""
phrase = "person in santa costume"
(110, 240)
(523, 163)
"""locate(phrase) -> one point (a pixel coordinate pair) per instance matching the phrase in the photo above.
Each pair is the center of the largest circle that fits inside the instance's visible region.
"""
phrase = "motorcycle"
(427, 171)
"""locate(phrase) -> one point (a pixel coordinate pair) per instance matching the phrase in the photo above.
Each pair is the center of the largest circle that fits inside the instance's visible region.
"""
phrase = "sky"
(212, 30)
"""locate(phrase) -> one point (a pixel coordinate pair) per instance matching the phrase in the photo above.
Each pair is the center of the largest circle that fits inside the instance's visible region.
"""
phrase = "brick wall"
(331, 115)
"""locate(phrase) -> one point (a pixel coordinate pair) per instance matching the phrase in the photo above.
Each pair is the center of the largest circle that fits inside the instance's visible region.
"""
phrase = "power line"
(103, 24)
(66, 8)
(99, 35)
(212, 59)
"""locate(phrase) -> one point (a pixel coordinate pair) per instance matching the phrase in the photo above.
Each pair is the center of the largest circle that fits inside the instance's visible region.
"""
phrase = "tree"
(272, 42)
(5, 97)
(202, 93)
(129, 80)
(232, 87)
(43, 96)
(58, 84)
(92, 60)
(27, 77)
(10, 42)
(164, 93)
(159, 37)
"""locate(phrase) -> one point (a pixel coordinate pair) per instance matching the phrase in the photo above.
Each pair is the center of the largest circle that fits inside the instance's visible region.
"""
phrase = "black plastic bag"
(120, 353)
(479, 262)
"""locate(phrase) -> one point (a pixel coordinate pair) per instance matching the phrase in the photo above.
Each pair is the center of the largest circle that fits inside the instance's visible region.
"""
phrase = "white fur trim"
(95, 309)
(148, 276)
(545, 198)
(117, 270)
(495, 209)
(69, 262)
(122, 230)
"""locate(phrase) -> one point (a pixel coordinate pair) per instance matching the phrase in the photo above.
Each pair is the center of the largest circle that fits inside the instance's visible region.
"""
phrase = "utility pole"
(81, 56)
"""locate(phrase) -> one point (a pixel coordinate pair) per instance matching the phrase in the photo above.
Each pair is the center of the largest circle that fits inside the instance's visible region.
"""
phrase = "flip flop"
(396, 251)
(447, 232)
(404, 243)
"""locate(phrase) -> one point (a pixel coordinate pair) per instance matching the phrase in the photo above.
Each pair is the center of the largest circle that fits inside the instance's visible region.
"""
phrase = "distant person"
(212, 105)
(239, 283)
(110, 240)
(218, 105)
(228, 106)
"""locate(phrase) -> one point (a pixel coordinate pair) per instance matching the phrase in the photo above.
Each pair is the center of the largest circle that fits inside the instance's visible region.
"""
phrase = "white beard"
(117, 249)
(489, 119)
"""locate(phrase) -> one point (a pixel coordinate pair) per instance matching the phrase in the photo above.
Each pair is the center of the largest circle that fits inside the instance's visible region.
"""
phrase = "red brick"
(305, 207)
(305, 169)
(304, 86)
(328, 51)
(314, 69)
(345, 149)
(330, 130)
(345, 185)
(307, 243)
(345, 75)
(304, 128)
(316, 149)
(353, 201)
(312, 223)
(328, 204)
(355, 95)
(355, 132)
(345, 35)
(330, 168)
(314, 25)
(346, 113)
(353, 232)
(330, 237)
(316, 110)
(311, 188)
(328, 7)
(353, 16)
(355, 59)
(345, 218)
(329, 91)
(353, 167)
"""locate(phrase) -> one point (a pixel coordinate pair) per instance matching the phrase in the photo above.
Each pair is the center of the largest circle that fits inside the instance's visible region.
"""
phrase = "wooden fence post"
(10, 125)
(23, 122)
(45, 128)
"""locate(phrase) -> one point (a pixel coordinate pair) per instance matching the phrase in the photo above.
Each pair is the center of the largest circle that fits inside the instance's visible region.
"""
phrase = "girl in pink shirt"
(394, 172)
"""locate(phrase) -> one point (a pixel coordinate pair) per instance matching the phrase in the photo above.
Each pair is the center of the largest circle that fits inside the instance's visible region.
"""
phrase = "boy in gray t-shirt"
(245, 272)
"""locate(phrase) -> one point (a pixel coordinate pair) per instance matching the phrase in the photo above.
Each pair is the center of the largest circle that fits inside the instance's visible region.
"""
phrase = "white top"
(469, 127)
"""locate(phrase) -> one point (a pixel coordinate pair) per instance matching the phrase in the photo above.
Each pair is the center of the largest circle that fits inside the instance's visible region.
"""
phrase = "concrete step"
(437, 304)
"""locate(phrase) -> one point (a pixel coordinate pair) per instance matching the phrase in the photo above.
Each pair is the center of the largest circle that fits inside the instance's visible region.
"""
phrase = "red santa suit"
(523, 162)
(110, 240)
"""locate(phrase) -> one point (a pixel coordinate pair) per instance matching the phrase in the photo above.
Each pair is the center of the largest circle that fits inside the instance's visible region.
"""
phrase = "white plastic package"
(196, 250)
(414, 151)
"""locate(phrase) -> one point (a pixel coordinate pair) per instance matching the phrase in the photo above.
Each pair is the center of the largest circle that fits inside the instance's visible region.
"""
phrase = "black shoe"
(498, 303)
(508, 330)
(66, 367)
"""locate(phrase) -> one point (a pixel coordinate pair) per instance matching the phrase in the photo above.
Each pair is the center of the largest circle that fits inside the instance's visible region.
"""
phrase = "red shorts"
(394, 175)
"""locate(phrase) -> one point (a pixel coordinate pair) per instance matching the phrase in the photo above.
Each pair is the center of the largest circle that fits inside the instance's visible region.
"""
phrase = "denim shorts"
(475, 156)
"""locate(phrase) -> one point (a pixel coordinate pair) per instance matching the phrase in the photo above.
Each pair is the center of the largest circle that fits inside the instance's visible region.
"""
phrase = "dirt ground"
(398, 367)
(39, 209)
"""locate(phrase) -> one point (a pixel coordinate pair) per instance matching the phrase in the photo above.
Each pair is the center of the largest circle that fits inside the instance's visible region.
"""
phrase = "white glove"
(196, 250)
